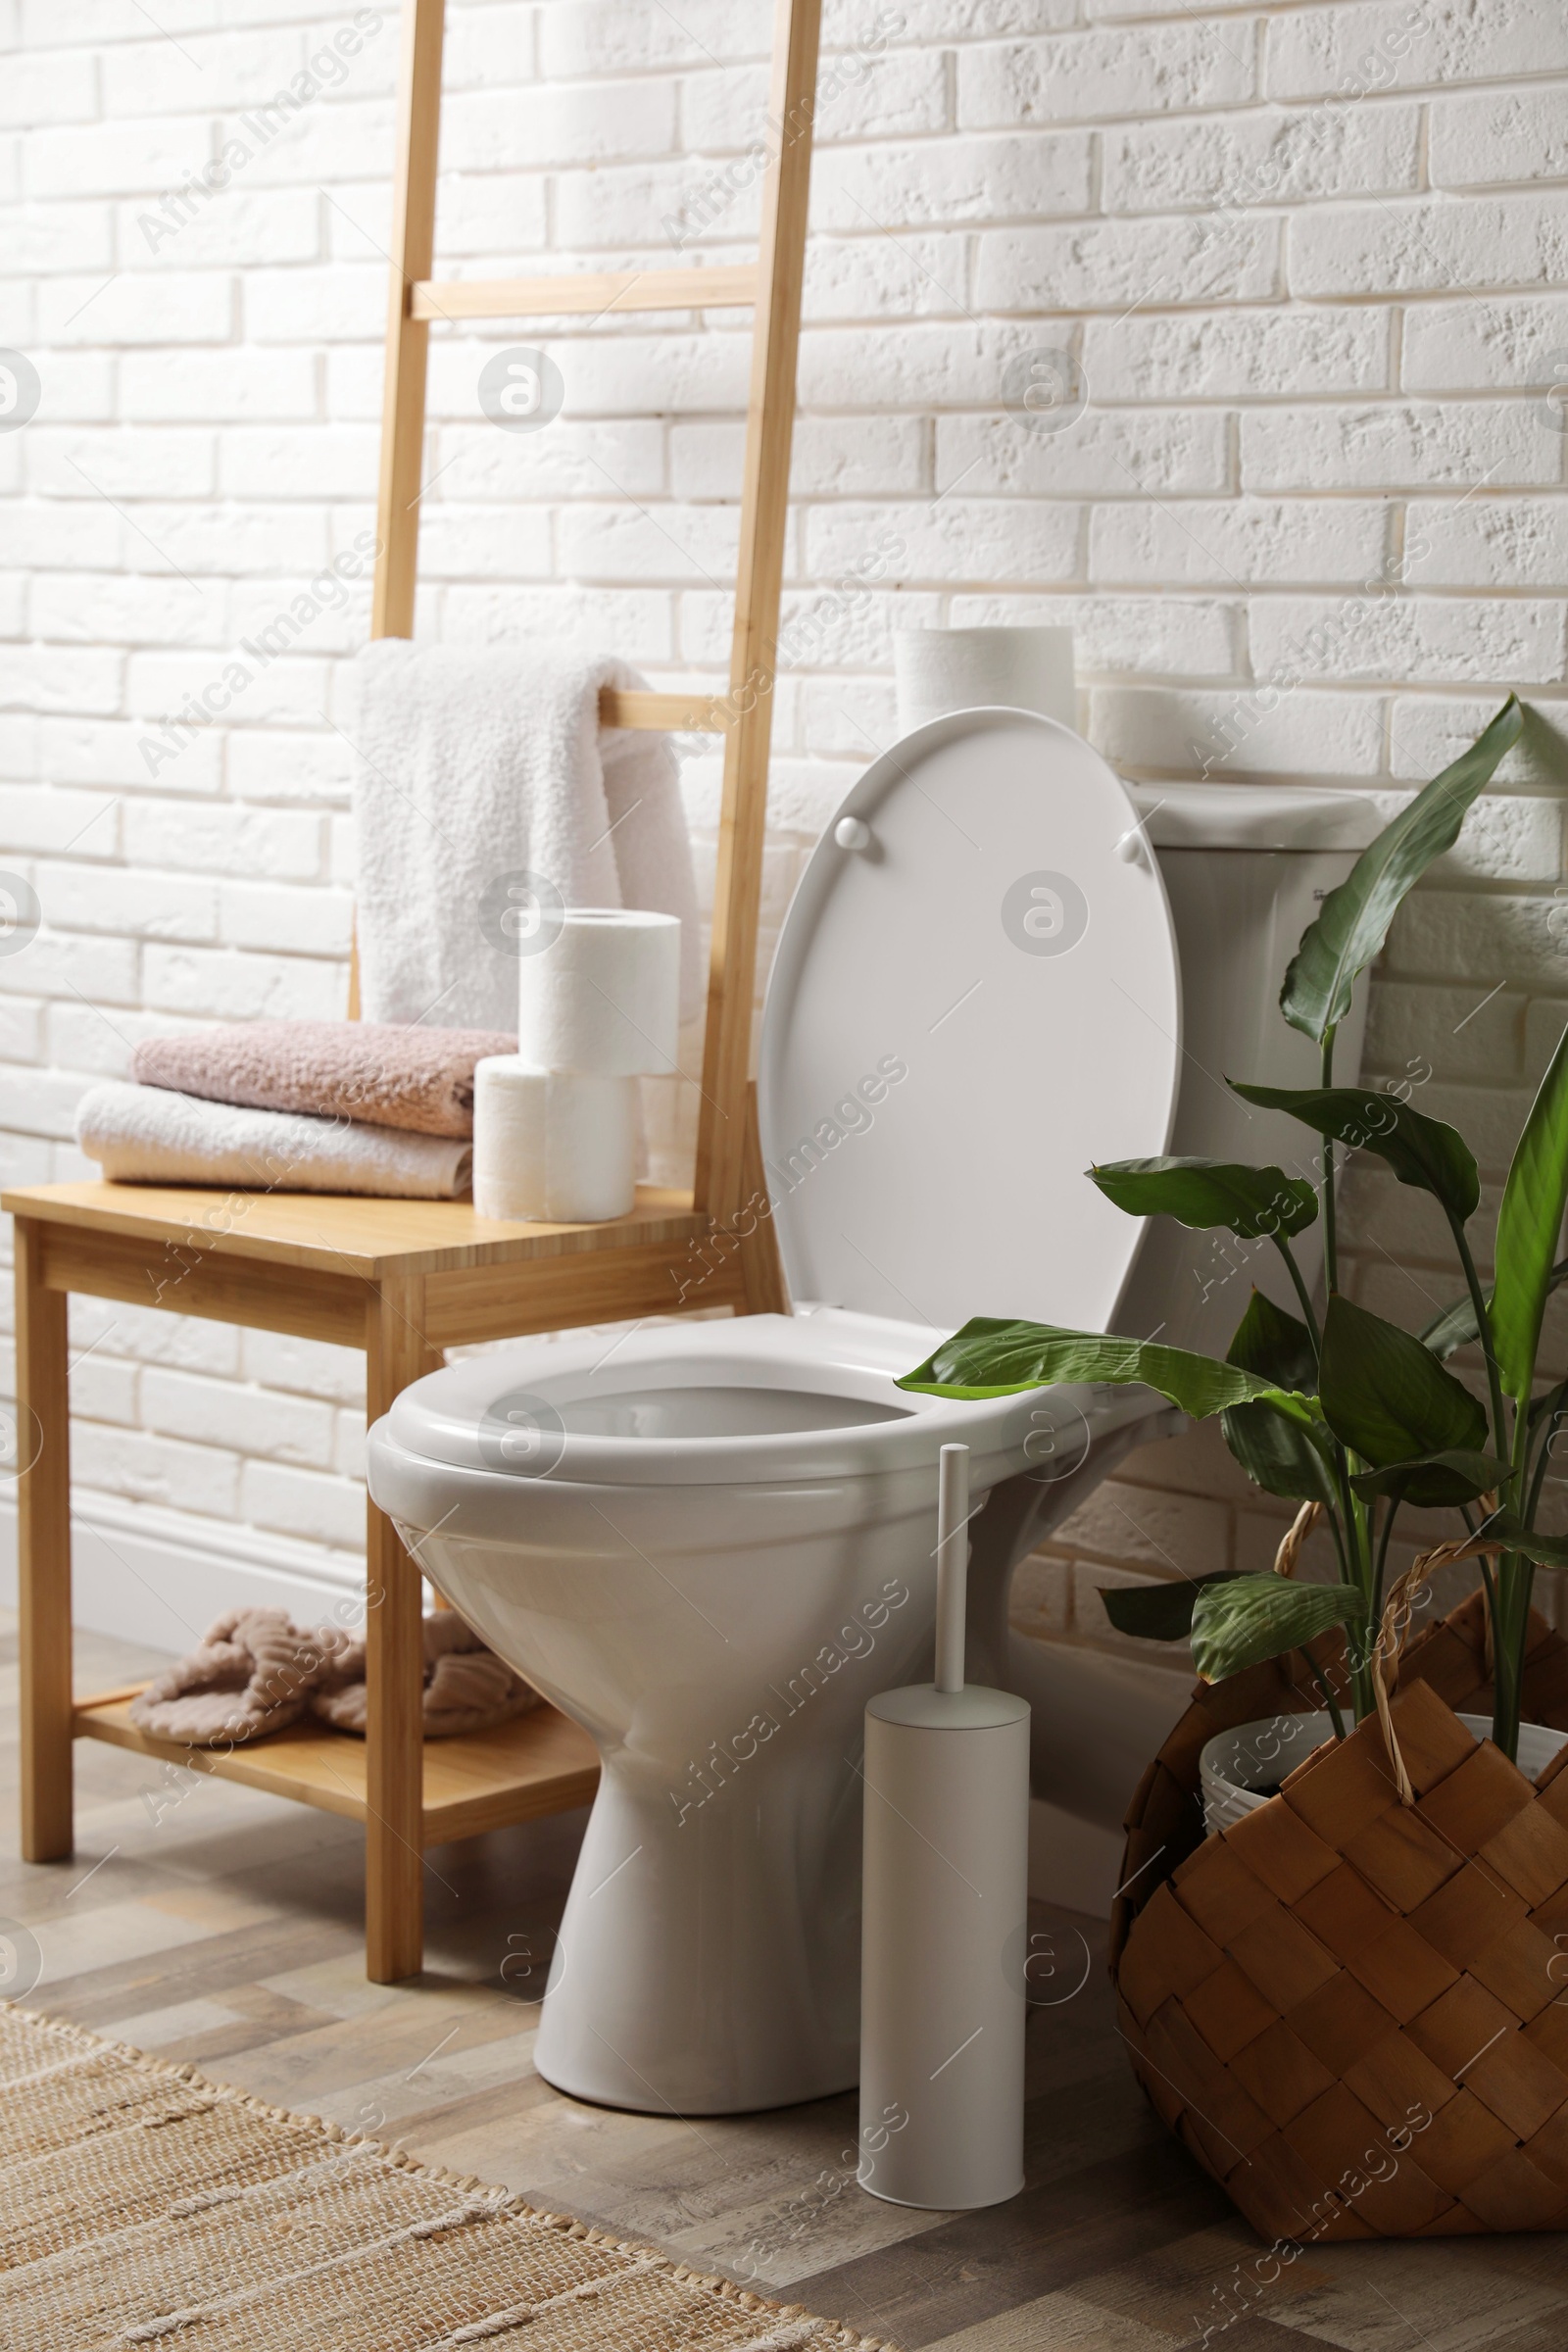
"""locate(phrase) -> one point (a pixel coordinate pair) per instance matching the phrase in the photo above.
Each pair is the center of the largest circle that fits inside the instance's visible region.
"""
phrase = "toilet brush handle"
(952, 1563)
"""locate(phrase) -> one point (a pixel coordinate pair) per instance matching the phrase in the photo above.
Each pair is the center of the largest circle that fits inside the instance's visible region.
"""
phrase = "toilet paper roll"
(552, 1145)
(603, 997)
(1026, 669)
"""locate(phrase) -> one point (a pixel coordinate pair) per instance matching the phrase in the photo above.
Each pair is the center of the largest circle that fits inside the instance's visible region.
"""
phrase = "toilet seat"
(458, 1445)
(817, 1404)
(976, 996)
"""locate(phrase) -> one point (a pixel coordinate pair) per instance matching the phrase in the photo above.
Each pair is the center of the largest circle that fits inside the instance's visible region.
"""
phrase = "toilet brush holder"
(945, 1890)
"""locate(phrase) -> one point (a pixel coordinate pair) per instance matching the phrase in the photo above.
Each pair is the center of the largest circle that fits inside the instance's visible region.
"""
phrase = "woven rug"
(141, 2204)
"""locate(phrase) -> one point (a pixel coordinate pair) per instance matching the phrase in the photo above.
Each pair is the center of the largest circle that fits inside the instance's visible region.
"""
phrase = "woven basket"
(1354, 2012)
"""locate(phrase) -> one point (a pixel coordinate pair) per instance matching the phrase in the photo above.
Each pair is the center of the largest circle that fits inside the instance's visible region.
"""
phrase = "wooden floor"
(211, 1922)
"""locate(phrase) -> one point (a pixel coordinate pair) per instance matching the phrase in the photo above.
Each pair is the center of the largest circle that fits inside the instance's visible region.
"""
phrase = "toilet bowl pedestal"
(659, 1999)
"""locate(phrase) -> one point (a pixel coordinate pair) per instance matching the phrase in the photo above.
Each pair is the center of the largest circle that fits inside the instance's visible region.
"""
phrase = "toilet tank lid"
(1256, 817)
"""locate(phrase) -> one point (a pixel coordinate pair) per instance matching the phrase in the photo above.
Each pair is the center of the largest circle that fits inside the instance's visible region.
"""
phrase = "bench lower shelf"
(539, 1763)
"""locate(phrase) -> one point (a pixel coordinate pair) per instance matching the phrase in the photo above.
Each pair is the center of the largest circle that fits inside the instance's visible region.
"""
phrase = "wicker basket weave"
(1355, 2013)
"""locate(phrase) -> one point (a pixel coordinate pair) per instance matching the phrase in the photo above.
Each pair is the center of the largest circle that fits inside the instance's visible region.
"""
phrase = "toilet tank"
(1245, 867)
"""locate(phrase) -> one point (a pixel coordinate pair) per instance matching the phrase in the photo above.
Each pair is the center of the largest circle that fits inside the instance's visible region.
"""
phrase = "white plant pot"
(1240, 1769)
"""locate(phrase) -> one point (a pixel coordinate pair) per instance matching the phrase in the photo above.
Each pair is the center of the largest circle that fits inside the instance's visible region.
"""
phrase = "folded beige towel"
(377, 1072)
(150, 1135)
(256, 1672)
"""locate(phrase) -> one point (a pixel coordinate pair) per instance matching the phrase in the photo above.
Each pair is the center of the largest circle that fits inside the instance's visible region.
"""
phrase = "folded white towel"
(150, 1135)
(483, 761)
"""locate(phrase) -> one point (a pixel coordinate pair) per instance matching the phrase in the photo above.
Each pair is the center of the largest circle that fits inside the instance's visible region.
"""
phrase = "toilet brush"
(945, 1916)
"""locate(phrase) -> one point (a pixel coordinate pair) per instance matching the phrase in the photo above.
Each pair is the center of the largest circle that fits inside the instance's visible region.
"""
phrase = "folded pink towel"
(376, 1072)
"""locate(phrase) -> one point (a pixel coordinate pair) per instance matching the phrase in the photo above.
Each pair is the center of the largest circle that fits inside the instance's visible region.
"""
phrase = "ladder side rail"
(765, 517)
(418, 133)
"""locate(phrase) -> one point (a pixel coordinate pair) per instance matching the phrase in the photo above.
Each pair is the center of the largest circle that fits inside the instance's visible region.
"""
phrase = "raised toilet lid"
(972, 1001)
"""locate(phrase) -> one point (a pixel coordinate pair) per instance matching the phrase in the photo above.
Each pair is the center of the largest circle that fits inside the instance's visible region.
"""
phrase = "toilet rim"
(449, 1421)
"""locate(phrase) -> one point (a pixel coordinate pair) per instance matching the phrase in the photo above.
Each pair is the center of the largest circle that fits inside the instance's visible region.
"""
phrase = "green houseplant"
(1346, 1414)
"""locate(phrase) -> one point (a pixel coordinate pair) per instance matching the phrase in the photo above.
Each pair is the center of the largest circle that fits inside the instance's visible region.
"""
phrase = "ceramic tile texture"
(209, 1923)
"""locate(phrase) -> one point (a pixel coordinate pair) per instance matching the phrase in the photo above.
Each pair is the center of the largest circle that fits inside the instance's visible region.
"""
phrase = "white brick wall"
(1311, 259)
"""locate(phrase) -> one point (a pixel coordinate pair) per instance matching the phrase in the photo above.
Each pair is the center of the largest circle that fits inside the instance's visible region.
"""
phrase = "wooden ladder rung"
(593, 290)
(665, 713)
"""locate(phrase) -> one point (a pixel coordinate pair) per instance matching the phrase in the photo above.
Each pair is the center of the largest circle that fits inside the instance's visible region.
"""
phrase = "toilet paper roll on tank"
(1023, 668)
(555, 1125)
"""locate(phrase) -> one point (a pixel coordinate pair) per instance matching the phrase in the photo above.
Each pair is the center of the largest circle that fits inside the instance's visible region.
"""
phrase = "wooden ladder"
(772, 286)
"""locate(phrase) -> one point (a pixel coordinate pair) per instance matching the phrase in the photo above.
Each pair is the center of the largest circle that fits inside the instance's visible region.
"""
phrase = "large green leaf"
(1454, 1326)
(1354, 918)
(1256, 1202)
(1280, 1454)
(1161, 1613)
(1435, 1481)
(1387, 1397)
(995, 1359)
(1529, 1224)
(1548, 1551)
(1274, 1345)
(1421, 1152)
(1275, 1450)
(1549, 1401)
(1256, 1617)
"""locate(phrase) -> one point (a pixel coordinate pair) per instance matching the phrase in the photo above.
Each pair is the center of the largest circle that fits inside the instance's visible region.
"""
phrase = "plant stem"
(1364, 1664)
(1505, 1694)
(1331, 1239)
(1288, 1253)
(1510, 1622)
(1511, 1617)
(1343, 1544)
(1332, 1516)
(1359, 1532)
(1383, 1554)
(1500, 1423)
(1490, 1590)
(1538, 1481)
(1329, 1701)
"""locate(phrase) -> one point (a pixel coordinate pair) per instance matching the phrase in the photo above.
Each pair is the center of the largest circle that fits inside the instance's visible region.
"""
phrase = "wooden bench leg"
(43, 1554)
(394, 1857)
(761, 1267)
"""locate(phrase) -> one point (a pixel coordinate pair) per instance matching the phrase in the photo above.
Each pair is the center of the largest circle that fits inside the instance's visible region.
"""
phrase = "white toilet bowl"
(712, 1553)
(711, 1543)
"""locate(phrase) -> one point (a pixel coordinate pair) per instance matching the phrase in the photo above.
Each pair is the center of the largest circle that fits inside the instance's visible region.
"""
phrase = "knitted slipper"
(253, 1674)
(467, 1686)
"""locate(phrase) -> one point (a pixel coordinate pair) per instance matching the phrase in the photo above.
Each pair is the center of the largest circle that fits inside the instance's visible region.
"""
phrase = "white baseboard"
(157, 1578)
(1072, 1864)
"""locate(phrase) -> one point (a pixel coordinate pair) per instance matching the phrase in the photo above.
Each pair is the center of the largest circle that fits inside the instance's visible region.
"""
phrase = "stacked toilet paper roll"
(555, 1124)
(603, 997)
